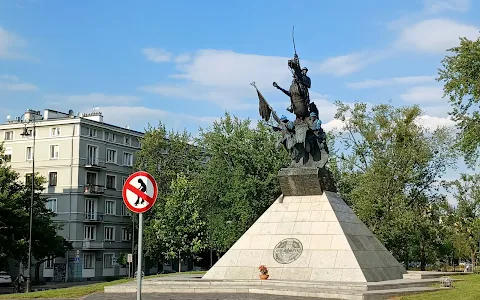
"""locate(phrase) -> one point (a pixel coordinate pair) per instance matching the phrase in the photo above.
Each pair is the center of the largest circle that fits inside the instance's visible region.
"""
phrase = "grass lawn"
(467, 288)
(81, 290)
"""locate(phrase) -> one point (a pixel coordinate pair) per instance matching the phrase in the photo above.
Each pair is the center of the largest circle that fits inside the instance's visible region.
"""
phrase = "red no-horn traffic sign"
(140, 192)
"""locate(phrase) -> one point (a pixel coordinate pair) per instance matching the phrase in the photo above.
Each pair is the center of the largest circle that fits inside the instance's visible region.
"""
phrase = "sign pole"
(139, 194)
(139, 253)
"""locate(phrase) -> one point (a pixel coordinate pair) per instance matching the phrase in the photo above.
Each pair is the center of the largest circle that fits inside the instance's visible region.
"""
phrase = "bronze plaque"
(287, 251)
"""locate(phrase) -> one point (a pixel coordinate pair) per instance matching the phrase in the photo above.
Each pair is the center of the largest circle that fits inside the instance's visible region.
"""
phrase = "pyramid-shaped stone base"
(309, 238)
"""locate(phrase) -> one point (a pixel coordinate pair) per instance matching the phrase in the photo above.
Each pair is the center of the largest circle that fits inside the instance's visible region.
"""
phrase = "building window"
(109, 207)
(92, 152)
(127, 159)
(55, 131)
(108, 261)
(89, 233)
(110, 136)
(90, 209)
(111, 156)
(125, 210)
(88, 261)
(54, 151)
(52, 204)
(92, 132)
(7, 155)
(126, 235)
(111, 182)
(52, 178)
(28, 178)
(29, 153)
(49, 264)
(91, 178)
(8, 135)
(127, 140)
(109, 233)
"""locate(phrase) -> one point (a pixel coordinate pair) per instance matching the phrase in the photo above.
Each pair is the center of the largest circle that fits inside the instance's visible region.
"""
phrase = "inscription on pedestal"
(287, 251)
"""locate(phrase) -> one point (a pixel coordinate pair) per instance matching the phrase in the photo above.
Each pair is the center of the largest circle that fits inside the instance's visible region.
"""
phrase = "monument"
(308, 233)
(308, 243)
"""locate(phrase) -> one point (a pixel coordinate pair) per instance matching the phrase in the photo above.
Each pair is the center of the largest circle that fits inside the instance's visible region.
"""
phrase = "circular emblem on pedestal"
(287, 251)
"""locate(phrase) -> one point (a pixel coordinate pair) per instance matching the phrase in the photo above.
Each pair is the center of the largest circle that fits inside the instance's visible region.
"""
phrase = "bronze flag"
(264, 109)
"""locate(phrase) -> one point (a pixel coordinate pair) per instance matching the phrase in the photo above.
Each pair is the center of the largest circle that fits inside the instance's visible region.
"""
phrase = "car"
(5, 278)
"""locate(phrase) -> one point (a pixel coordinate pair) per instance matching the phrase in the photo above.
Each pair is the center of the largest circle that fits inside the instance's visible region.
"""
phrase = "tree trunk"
(423, 260)
(473, 260)
(407, 262)
(179, 263)
(37, 272)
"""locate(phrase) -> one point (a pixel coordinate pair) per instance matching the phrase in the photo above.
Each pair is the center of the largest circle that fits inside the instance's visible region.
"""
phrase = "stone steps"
(322, 290)
(393, 284)
(430, 274)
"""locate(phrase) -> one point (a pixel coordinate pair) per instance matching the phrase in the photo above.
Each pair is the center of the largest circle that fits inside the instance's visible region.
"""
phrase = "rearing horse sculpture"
(298, 92)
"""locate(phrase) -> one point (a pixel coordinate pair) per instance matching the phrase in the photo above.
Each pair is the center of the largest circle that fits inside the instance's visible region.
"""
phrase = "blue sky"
(187, 62)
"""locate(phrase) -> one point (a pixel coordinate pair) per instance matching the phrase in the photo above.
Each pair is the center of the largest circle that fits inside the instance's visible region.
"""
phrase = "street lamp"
(25, 133)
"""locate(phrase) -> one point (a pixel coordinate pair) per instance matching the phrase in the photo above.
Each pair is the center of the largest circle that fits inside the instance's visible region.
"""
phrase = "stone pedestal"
(305, 181)
(308, 238)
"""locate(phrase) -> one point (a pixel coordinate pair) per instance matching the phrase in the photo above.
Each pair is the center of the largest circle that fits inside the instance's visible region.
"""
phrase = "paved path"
(194, 297)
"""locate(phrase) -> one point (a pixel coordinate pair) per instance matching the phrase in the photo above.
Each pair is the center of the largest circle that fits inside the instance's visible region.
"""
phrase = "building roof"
(49, 115)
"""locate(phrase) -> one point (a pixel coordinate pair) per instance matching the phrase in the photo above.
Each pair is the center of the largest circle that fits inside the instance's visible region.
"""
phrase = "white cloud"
(8, 77)
(435, 35)
(438, 6)
(223, 77)
(423, 94)
(95, 99)
(347, 64)
(138, 117)
(17, 87)
(433, 123)
(370, 83)
(333, 125)
(182, 58)
(216, 68)
(9, 45)
(430, 9)
(11, 83)
(227, 98)
(157, 55)
(440, 110)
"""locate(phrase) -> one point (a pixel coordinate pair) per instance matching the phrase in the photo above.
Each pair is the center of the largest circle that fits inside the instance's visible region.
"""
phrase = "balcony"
(92, 245)
(94, 217)
(95, 163)
(117, 244)
(94, 190)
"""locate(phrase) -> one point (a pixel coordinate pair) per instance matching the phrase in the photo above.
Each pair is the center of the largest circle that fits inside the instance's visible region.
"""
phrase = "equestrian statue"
(304, 137)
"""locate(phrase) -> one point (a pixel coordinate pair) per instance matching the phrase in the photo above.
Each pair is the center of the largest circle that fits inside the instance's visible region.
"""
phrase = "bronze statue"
(303, 138)
(298, 92)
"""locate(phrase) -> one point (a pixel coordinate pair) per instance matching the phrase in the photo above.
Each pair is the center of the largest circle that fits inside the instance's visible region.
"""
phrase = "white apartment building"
(85, 162)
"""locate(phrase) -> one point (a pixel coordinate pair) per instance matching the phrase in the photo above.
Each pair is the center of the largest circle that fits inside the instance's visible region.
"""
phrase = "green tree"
(165, 154)
(388, 172)
(239, 180)
(178, 231)
(461, 77)
(466, 191)
(15, 199)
